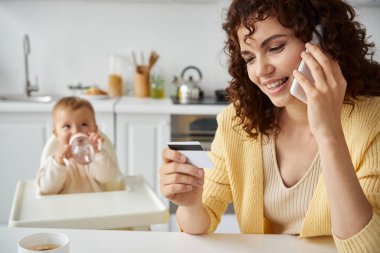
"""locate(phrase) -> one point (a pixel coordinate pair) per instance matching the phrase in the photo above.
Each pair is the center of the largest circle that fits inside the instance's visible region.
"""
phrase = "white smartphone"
(296, 89)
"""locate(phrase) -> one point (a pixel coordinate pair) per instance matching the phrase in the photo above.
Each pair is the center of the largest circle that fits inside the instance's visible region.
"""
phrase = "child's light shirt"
(102, 174)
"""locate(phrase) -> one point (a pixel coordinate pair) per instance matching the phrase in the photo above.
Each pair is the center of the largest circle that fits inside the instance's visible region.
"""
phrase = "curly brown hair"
(343, 38)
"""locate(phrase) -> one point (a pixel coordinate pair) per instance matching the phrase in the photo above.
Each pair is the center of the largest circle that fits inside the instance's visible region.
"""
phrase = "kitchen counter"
(100, 241)
(16, 106)
(163, 106)
(101, 106)
(121, 105)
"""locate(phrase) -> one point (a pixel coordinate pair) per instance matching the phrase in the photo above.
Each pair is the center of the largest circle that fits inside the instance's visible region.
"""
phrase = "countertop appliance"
(194, 127)
(201, 101)
(188, 87)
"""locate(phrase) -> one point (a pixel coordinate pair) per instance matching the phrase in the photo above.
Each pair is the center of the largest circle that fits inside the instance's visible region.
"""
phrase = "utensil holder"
(142, 84)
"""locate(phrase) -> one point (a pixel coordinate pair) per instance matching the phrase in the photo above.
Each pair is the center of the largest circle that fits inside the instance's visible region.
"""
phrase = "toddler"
(59, 173)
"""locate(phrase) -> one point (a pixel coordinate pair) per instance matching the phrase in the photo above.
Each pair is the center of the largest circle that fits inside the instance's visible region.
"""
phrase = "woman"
(289, 167)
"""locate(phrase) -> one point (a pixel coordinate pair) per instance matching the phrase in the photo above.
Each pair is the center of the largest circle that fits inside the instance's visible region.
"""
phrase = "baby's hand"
(63, 152)
(96, 141)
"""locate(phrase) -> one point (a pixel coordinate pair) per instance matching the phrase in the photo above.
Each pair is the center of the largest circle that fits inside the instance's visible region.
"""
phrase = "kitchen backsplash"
(71, 40)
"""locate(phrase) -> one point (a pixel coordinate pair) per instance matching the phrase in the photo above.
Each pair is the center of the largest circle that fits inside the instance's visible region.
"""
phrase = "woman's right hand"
(180, 182)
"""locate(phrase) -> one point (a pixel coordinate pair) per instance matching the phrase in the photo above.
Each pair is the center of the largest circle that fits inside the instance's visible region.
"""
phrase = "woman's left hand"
(325, 96)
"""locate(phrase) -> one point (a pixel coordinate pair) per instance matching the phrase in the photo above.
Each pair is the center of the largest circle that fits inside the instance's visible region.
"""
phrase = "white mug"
(46, 242)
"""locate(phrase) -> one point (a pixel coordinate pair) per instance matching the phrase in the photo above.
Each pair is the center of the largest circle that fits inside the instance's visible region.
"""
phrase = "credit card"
(194, 152)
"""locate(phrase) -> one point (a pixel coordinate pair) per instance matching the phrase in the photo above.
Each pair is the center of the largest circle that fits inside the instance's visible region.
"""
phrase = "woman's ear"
(54, 131)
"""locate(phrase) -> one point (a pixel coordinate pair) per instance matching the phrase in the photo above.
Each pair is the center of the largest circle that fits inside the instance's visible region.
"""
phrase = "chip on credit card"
(194, 152)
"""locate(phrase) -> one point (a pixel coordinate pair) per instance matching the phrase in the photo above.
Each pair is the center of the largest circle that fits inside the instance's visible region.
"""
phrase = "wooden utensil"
(153, 59)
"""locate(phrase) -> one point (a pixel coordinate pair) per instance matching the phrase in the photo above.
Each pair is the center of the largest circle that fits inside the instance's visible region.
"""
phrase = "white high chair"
(52, 146)
(136, 208)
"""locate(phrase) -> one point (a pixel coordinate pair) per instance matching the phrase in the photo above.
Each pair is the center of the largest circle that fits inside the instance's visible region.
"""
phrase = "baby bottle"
(81, 148)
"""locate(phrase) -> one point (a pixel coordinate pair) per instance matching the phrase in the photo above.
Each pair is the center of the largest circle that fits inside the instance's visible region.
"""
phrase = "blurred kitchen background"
(71, 42)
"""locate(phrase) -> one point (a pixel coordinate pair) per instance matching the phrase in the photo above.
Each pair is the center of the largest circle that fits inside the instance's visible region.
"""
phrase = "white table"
(138, 206)
(102, 241)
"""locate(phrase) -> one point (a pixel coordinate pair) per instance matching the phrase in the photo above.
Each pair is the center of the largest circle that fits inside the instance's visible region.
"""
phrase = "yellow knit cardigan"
(238, 178)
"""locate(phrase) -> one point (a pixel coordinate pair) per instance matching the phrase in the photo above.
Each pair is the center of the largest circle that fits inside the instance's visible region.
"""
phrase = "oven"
(194, 128)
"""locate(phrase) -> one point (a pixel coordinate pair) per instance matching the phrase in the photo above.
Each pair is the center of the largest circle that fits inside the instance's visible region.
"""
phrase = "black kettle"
(187, 88)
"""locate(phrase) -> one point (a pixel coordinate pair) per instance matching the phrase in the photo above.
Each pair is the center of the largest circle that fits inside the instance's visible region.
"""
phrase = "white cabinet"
(105, 118)
(106, 123)
(142, 131)
(23, 136)
(140, 139)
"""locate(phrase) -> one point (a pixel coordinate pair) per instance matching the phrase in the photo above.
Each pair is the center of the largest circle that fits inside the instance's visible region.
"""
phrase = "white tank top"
(285, 207)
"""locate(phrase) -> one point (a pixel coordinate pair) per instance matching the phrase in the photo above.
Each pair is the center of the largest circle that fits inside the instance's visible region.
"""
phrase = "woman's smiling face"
(271, 54)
